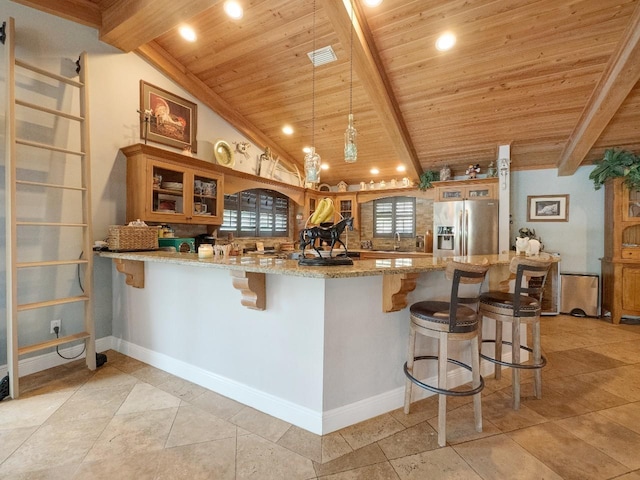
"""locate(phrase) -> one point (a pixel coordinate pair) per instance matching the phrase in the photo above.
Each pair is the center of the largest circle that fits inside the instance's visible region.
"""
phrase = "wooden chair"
(454, 320)
(523, 306)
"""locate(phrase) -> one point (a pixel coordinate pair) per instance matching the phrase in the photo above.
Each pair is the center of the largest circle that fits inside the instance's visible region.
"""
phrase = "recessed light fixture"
(324, 166)
(372, 3)
(187, 33)
(374, 171)
(233, 9)
(401, 168)
(306, 149)
(287, 130)
(446, 41)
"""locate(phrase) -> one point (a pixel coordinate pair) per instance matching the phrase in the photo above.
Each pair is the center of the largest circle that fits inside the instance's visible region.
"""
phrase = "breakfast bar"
(319, 347)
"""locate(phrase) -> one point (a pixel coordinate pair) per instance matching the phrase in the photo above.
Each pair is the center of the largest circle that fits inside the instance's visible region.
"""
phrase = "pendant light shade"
(312, 163)
(351, 134)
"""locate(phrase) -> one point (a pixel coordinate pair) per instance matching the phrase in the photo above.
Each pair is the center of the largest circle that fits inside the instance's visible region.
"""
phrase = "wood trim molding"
(133, 271)
(252, 285)
(618, 79)
(395, 289)
(79, 11)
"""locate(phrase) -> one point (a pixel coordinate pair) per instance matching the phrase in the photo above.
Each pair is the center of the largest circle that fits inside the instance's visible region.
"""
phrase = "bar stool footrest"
(441, 391)
(533, 366)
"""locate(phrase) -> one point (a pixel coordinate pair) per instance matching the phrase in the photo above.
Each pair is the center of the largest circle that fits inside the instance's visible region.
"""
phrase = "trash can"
(580, 294)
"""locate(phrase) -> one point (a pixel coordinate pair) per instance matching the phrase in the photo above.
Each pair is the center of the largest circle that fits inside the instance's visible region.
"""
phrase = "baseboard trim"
(289, 412)
(38, 363)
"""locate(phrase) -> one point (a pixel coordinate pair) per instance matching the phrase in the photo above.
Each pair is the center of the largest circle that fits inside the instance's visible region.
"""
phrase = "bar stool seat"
(523, 306)
(454, 320)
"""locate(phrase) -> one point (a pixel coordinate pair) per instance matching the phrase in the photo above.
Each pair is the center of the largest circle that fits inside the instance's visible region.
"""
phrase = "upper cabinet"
(165, 187)
(483, 188)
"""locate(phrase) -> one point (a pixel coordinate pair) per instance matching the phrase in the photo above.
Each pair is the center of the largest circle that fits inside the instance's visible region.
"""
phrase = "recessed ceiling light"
(287, 129)
(374, 171)
(306, 149)
(446, 41)
(324, 166)
(401, 168)
(233, 9)
(372, 3)
(188, 33)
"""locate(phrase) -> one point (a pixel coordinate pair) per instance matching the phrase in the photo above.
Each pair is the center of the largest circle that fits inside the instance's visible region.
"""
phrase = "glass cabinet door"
(168, 191)
(633, 209)
(205, 196)
(346, 208)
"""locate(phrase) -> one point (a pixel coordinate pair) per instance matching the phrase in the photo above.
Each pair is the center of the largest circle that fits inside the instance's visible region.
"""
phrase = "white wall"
(580, 241)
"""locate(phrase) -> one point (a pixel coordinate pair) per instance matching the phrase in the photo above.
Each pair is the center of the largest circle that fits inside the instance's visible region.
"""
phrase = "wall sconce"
(504, 172)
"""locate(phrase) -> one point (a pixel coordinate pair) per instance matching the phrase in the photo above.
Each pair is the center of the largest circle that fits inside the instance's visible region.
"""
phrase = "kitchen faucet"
(396, 245)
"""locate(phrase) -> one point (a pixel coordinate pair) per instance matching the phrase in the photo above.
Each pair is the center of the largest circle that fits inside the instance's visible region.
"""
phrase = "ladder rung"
(52, 111)
(51, 263)
(52, 303)
(49, 185)
(48, 147)
(52, 343)
(55, 76)
(50, 224)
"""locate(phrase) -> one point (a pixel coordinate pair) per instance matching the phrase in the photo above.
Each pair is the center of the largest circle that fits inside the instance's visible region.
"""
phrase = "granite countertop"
(255, 263)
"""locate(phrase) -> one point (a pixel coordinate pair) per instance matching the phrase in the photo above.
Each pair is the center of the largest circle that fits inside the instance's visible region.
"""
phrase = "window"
(256, 213)
(394, 215)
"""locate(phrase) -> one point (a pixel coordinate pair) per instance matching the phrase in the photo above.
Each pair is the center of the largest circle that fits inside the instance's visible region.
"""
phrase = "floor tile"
(441, 464)
(109, 377)
(625, 415)
(379, 471)
(259, 458)
(369, 455)
(92, 403)
(145, 397)
(497, 408)
(151, 375)
(627, 351)
(183, 389)
(141, 466)
(499, 457)
(266, 426)
(193, 425)
(419, 412)
(416, 439)
(202, 461)
(590, 394)
(613, 439)
(622, 381)
(461, 425)
(31, 411)
(372, 430)
(304, 443)
(566, 454)
(11, 439)
(217, 404)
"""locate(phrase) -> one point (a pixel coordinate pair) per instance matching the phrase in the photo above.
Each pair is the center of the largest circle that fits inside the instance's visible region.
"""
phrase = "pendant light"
(350, 134)
(312, 159)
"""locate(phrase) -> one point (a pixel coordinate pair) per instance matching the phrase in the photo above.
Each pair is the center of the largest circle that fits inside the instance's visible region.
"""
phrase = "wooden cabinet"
(165, 187)
(483, 188)
(621, 262)
(346, 205)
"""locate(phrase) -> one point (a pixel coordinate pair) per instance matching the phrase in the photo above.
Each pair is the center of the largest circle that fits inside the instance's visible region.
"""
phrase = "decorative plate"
(223, 153)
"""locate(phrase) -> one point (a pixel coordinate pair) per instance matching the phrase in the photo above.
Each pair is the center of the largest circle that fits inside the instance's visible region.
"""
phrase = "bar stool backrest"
(526, 268)
(464, 273)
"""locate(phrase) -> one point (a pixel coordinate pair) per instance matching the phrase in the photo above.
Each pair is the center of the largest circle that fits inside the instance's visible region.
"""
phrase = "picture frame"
(548, 208)
(167, 118)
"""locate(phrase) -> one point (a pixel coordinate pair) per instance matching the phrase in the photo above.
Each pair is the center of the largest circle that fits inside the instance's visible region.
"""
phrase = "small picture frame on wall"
(168, 119)
(548, 208)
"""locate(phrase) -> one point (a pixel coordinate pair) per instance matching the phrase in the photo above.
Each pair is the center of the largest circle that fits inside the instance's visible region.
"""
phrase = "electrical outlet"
(55, 323)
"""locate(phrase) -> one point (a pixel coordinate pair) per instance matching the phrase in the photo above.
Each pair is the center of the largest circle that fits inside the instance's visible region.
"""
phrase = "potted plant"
(426, 178)
(617, 163)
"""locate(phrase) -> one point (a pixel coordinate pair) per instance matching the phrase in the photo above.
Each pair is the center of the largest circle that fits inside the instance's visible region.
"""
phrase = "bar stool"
(454, 320)
(523, 306)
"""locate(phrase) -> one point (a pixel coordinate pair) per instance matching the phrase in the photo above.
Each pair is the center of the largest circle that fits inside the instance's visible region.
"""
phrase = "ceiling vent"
(322, 55)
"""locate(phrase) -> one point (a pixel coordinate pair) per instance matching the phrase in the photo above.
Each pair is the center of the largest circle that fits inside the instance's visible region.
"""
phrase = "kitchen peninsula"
(323, 349)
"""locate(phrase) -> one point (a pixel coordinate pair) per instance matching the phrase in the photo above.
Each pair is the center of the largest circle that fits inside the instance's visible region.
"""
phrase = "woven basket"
(129, 239)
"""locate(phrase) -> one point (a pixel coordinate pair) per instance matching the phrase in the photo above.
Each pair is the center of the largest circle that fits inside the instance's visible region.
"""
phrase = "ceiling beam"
(79, 11)
(159, 58)
(368, 67)
(618, 79)
(128, 24)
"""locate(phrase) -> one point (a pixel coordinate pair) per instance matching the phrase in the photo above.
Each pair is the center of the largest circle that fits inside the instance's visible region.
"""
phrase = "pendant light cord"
(313, 83)
(351, 67)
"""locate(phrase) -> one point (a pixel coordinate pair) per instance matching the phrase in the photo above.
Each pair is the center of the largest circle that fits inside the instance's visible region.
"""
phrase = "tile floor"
(128, 420)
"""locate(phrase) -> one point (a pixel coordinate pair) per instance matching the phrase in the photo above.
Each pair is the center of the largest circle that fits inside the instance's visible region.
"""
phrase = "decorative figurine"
(330, 235)
(492, 171)
(445, 173)
(473, 170)
(187, 151)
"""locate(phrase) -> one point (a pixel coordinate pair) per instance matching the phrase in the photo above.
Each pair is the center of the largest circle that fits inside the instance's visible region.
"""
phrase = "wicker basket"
(129, 239)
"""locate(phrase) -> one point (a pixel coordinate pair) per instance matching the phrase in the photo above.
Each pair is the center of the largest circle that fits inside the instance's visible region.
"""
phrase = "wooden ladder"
(18, 186)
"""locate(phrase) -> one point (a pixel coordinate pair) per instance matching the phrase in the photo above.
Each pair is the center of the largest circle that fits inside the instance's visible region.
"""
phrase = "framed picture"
(548, 208)
(167, 118)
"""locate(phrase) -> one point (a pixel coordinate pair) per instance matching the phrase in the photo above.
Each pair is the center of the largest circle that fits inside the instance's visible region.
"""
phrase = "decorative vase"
(445, 173)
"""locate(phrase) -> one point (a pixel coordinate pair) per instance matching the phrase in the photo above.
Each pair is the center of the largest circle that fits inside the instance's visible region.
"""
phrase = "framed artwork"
(167, 118)
(548, 208)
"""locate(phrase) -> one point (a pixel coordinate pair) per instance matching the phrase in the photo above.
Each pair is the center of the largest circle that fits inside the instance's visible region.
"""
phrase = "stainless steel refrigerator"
(465, 227)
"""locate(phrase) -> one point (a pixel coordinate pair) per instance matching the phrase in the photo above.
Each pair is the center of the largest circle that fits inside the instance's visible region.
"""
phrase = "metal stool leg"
(537, 358)
(498, 352)
(475, 374)
(515, 358)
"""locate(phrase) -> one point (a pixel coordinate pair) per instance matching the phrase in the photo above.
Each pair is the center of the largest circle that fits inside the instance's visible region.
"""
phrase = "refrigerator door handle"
(466, 232)
(460, 234)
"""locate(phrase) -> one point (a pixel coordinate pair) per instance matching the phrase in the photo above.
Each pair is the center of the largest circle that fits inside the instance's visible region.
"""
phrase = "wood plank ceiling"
(558, 80)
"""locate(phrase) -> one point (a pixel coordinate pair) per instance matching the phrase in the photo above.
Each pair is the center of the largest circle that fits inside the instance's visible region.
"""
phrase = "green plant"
(617, 163)
(427, 177)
